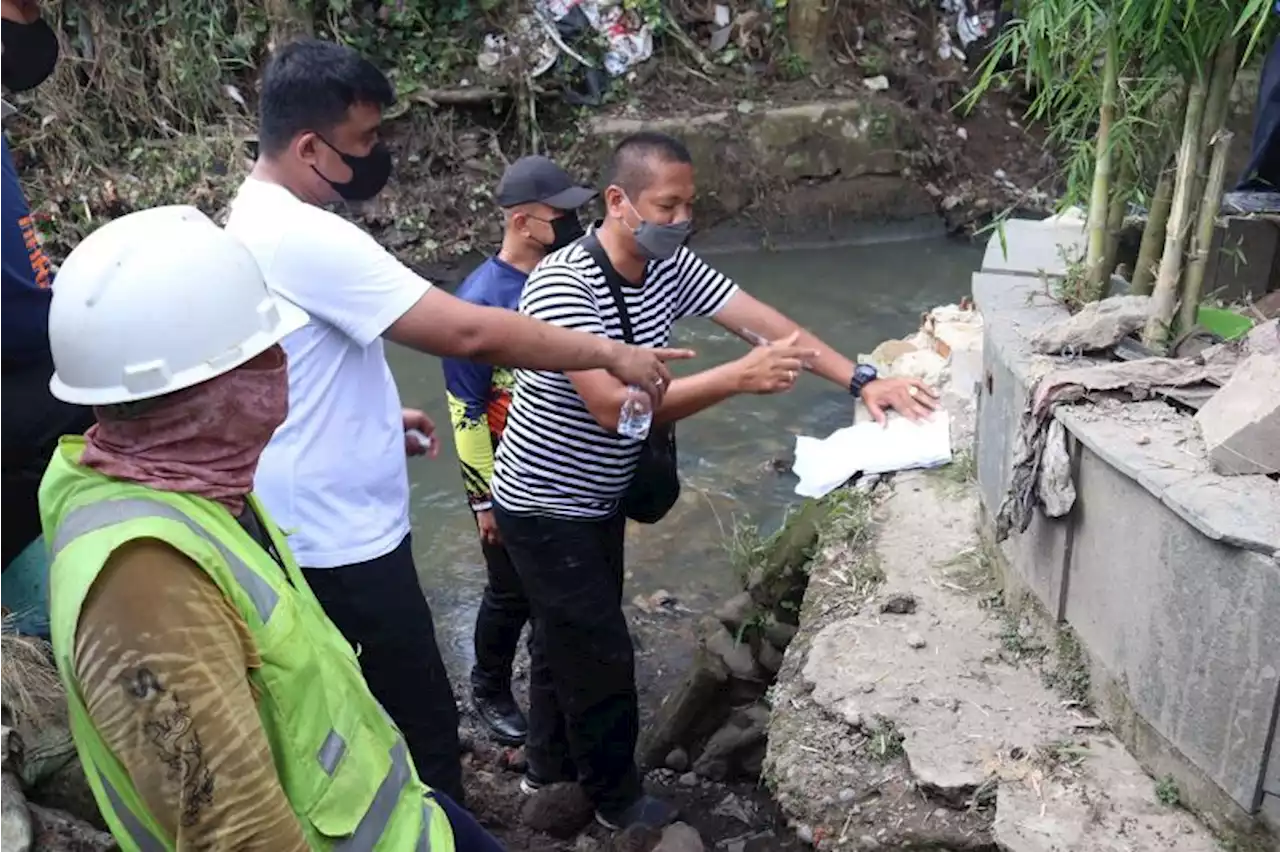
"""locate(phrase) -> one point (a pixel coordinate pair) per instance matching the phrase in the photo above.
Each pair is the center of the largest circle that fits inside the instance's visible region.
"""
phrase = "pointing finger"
(674, 354)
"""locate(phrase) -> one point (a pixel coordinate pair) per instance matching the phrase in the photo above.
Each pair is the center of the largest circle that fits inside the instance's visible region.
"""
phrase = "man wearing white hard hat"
(213, 703)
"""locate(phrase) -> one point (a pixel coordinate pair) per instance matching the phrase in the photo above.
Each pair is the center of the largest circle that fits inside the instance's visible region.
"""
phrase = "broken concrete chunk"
(1106, 802)
(1097, 326)
(1241, 423)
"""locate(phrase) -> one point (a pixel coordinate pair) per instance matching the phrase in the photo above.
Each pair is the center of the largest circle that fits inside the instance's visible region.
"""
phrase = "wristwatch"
(863, 375)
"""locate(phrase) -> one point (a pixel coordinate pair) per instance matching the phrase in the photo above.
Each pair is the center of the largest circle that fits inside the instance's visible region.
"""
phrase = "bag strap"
(612, 279)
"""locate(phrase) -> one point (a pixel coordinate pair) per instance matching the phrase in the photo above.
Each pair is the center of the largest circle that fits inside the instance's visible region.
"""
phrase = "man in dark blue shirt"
(33, 420)
(539, 204)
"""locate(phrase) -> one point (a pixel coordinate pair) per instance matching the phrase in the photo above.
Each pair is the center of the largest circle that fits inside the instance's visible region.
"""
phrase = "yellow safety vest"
(342, 763)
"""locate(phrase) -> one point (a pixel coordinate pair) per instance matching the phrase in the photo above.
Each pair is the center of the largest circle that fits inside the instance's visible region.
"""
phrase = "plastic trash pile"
(537, 40)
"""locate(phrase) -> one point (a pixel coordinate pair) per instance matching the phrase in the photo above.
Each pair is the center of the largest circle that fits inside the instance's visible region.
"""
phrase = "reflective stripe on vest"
(98, 516)
(105, 513)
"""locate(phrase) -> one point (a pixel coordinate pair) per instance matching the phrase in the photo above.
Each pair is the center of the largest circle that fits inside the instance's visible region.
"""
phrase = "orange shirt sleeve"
(162, 660)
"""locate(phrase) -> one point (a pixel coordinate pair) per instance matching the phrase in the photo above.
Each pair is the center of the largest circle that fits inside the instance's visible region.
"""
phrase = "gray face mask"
(660, 242)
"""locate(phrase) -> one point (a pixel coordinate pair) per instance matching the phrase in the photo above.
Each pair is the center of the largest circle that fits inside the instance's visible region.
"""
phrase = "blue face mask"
(660, 242)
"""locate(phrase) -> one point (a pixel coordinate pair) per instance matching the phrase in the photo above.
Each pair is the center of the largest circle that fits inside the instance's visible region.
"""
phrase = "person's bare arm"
(765, 369)
(442, 324)
(745, 315)
(163, 660)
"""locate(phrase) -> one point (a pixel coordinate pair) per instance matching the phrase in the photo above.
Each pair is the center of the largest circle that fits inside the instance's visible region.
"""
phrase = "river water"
(853, 297)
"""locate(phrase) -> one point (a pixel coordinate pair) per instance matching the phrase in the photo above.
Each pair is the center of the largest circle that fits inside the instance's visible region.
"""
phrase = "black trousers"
(504, 609)
(583, 712)
(1263, 171)
(33, 422)
(380, 609)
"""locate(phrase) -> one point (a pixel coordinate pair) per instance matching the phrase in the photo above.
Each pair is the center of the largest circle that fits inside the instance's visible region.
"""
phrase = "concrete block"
(1160, 450)
(1191, 626)
(1271, 811)
(1241, 422)
(1034, 248)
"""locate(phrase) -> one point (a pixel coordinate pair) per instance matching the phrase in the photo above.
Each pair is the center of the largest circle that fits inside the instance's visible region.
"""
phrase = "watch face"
(864, 373)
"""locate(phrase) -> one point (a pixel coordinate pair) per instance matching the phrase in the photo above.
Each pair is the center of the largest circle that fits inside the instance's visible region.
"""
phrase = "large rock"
(1098, 325)
(1241, 422)
(59, 831)
(680, 837)
(15, 820)
(561, 810)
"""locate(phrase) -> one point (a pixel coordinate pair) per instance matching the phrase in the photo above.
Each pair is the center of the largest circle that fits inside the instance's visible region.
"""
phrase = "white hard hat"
(157, 301)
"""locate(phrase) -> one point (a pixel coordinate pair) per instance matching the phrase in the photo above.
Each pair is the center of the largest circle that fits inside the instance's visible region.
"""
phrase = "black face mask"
(30, 52)
(565, 230)
(369, 173)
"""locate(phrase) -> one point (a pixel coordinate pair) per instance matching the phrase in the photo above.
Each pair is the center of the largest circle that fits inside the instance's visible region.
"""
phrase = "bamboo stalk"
(1115, 225)
(1165, 292)
(1144, 271)
(1217, 106)
(1209, 204)
(1095, 257)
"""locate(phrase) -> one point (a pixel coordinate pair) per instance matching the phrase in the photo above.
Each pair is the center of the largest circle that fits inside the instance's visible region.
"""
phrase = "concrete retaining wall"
(1167, 573)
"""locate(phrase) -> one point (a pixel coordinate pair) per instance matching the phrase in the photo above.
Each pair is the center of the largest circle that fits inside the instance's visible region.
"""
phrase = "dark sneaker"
(502, 716)
(1244, 202)
(647, 810)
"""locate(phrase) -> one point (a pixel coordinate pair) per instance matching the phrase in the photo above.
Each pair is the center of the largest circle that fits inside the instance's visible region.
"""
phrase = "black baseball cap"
(537, 179)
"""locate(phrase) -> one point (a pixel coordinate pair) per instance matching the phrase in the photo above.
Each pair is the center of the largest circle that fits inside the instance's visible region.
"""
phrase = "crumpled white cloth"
(825, 464)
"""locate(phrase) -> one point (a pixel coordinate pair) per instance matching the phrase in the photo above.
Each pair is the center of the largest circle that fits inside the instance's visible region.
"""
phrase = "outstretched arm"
(162, 660)
(747, 317)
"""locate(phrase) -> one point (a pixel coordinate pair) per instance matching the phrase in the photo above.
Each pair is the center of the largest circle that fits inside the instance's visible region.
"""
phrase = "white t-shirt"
(334, 475)
(554, 458)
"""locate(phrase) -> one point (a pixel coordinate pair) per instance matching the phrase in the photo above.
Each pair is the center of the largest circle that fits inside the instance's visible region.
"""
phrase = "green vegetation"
(884, 740)
(1070, 672)
(1136, 92)
(1167, 792)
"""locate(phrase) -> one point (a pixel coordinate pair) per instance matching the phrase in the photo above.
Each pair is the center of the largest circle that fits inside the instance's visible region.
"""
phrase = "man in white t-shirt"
(562, 468)
(334, 475)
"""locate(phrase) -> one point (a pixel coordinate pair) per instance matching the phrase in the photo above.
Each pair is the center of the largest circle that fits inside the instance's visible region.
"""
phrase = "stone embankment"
(917, 708)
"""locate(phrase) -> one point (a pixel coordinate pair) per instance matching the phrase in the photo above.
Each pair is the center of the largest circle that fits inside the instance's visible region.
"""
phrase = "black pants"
(32, 424)
(583, 710)
(1263, 171)
(504, 609)
(380, 609)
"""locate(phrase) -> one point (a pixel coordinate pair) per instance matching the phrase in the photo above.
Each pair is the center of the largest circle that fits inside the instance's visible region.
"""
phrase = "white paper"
(823, 465)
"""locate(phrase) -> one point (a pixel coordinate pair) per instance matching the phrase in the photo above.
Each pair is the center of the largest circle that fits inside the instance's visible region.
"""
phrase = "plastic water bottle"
(636, 415)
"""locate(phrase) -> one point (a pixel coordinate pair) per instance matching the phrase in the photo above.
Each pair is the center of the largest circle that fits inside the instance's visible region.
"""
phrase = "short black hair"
(629, 166)
(309, 85)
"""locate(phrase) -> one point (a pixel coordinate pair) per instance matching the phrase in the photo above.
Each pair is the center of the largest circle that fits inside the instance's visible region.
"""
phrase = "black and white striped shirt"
(555, 459)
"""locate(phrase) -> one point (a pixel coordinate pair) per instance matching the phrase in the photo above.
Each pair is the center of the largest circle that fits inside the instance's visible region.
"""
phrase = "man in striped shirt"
(561, 468)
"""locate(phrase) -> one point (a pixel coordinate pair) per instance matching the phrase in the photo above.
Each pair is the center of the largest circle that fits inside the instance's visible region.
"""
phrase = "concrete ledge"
(1166, 571)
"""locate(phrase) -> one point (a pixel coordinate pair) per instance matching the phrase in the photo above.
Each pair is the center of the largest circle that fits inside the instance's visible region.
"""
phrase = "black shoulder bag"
(655, 488)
